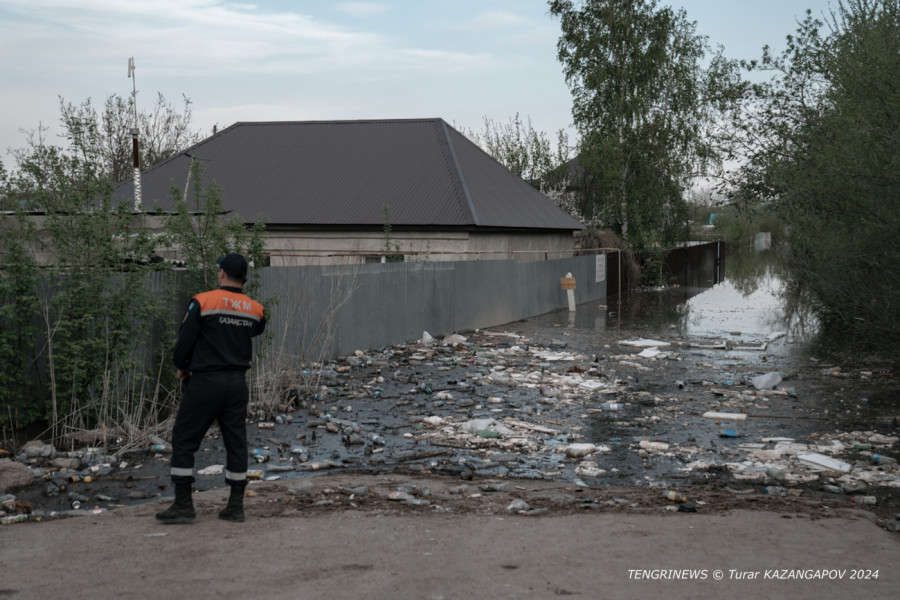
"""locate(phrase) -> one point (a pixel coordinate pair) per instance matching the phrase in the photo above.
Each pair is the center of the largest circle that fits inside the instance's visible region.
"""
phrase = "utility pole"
(134, 139)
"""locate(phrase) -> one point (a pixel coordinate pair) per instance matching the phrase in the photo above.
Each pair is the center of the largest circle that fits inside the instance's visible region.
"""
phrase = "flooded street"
(706, 395)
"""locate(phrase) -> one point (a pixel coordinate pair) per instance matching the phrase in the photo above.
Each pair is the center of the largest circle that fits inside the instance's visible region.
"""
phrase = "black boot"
(234, 510)
(182, 510)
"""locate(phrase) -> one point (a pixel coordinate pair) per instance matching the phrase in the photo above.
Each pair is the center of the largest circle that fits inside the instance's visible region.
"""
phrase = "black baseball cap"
(234, 264)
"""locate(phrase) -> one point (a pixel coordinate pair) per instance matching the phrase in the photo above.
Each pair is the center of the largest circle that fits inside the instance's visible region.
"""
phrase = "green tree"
(645, 108)
(83, 331)
(75, 272)
(821, 140)
(18, 329)
(200, 232)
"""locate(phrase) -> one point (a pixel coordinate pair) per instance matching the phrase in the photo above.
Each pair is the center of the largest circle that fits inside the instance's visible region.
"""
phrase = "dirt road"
(342, 538)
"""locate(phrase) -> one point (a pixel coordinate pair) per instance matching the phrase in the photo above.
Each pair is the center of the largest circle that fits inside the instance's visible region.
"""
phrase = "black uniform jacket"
(216, 331)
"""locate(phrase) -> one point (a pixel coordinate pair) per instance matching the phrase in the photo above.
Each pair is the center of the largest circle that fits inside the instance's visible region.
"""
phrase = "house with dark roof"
(355, 191)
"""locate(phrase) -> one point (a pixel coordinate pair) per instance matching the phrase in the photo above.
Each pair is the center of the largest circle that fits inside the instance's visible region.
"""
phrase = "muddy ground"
(558, 400)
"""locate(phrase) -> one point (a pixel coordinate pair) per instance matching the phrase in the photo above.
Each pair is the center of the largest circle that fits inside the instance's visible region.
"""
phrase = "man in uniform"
(212, 356)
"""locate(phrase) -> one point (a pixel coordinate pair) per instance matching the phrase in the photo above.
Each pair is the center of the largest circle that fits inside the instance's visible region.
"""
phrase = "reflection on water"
(725, 310)
(751, 302)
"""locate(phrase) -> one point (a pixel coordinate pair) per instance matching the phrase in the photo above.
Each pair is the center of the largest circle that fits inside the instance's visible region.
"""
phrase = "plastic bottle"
(401, 496)
(775, 490)
(13, 519)
(880, 459)
(863, 499)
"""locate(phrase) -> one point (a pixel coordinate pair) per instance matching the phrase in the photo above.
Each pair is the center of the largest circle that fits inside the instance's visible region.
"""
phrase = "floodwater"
(747, 308)
(556, 380)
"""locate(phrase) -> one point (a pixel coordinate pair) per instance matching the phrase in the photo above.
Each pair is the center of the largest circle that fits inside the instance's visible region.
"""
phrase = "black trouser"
(210, 396)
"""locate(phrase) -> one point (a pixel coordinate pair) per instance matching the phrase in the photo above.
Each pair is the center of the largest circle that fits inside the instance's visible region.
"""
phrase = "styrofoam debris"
(698, 465)
(725, 416)
(455, 339)
(715, 345)
(649, 352)
(589, 469)
(591, 384)
(766, 381)
(883, 440)
(790, 448)
(653, 446)
(765, 455)
(751, 446)
(831, 446)
(579, 450)
(644, 343)
(554, 356)
(485, 425)
(628, 363)
(824, 462)
(212, 470)
(751, 474)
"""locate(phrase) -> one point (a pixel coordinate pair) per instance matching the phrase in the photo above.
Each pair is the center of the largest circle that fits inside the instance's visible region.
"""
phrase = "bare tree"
(163, 132)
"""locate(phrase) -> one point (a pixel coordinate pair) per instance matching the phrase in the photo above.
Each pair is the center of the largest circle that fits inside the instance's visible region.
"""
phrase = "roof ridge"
(458, 176)
(336, 122)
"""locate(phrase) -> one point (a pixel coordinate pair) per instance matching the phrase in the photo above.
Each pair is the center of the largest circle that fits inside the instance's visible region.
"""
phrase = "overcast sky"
(275, 60)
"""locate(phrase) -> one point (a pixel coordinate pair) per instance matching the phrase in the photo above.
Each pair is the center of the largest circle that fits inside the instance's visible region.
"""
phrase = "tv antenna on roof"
(134, 139)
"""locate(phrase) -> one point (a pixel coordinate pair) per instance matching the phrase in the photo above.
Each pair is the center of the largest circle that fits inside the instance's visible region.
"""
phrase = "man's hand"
(183, 375)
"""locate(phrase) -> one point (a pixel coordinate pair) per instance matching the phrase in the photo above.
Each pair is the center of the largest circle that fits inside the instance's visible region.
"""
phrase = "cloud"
(207, 38)
(361, 9)
(183, 35)
(495, 19)
(260, 58)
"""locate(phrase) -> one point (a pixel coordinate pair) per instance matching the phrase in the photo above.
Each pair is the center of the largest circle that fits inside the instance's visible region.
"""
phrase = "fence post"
(568, 284)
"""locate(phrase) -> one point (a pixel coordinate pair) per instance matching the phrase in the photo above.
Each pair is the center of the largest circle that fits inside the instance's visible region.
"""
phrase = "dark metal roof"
(341, 173)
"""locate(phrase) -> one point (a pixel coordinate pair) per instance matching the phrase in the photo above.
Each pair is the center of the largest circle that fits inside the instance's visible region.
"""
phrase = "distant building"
(327, 189)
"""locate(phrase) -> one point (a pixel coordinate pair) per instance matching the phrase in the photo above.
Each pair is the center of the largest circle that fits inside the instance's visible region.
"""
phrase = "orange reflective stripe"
(230, 303)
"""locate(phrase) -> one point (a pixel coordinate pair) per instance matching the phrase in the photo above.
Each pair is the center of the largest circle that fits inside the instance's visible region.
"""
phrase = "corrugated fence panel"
(375, 305)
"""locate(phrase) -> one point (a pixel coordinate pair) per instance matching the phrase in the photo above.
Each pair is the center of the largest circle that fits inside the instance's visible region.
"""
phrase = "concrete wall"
(295, 248)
